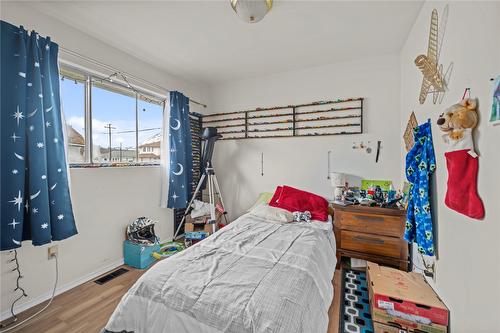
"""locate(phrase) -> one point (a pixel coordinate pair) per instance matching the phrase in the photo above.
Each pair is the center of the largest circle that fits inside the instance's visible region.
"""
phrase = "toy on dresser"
(458, 123)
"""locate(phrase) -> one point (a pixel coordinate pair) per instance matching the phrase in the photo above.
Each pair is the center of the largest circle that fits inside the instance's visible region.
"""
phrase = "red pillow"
(277, 193)
(293, 199)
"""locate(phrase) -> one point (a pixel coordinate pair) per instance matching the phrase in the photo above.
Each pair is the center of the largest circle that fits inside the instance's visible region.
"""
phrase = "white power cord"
(45, 307)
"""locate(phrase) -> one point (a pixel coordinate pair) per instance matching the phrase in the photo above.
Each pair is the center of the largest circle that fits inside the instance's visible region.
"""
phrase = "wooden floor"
(86, 308)
(334, 312)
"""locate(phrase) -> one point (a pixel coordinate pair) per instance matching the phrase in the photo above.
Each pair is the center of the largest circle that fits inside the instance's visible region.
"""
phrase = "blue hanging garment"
(495, 106)
(420, 165)
(35, 197)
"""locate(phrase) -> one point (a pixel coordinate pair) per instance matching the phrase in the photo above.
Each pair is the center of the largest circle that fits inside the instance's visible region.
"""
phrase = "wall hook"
(378, 151)
(262, 164)
(328, 171)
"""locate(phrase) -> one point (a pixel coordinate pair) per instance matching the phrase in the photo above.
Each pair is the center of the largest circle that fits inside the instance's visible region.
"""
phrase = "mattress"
(251, 276)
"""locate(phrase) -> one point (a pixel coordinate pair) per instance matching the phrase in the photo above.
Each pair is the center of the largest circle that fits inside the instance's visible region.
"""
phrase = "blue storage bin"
(139, 255)
(196, 235)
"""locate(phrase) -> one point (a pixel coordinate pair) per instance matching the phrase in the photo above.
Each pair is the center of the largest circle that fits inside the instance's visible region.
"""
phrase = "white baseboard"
(61, 289)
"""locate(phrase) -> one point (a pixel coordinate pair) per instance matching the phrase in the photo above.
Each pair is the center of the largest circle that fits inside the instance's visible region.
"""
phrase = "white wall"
(302, 162)
(468, 269)
(104, 200)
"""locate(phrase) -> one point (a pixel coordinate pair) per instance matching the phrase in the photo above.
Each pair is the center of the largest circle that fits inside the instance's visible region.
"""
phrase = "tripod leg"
(179, 228)
(211, 193)
(186, 212)
(219, 194)
(211, 197)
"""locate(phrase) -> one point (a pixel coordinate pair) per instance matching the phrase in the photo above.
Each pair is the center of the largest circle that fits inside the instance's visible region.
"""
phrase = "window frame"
(114, 84)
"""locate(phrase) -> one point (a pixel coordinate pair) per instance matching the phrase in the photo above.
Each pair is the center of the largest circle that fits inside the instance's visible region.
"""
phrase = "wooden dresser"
(371, 233)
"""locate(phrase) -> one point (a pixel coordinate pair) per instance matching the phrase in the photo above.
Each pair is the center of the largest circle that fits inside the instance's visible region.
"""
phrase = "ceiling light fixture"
(251, 11)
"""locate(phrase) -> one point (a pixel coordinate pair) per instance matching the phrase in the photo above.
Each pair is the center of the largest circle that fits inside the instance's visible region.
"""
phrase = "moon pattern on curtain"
(181, 153)
(35, 197)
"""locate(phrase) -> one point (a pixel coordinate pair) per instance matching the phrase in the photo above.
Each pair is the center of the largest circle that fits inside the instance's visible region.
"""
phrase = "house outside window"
(150, 151)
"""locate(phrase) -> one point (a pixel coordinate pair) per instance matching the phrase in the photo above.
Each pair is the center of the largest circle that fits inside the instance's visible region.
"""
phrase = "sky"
(109, 107)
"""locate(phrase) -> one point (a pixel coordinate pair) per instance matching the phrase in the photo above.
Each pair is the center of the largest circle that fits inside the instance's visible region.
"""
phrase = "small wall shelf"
(336, 117)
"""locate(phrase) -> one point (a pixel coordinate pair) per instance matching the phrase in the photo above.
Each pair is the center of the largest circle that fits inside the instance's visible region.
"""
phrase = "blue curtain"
(181, 153)
(35, 198)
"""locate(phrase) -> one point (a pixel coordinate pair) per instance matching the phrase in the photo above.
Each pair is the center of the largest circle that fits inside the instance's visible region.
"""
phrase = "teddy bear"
(457, 123)
(457, 118)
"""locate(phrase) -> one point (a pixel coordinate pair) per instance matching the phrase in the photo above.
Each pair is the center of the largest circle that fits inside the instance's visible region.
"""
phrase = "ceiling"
(205, 41)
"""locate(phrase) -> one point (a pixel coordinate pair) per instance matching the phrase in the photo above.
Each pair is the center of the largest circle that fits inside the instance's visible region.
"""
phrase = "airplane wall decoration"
(429, 65)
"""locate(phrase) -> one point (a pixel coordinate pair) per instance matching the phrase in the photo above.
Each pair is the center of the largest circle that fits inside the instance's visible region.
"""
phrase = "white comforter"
(251, 276)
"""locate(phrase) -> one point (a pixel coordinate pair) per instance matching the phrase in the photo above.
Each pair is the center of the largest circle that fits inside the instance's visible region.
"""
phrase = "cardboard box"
(198, 220)
(382, 317)
(188, 227)
(191, 227)
(406, 293)
(393, 328)
(381, 328)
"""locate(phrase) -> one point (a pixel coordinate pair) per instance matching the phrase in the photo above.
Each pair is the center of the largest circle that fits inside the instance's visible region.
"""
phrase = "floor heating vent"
(111, 276)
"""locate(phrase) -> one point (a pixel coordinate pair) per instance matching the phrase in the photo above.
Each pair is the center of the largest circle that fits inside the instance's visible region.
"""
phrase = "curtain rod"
(113, 69)
(118, 81)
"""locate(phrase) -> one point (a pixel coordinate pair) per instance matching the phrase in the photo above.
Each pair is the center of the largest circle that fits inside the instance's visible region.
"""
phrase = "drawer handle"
(369, 240)
(370, 218)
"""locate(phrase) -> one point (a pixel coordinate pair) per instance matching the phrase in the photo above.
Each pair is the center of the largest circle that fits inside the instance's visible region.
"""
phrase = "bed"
(253, 275)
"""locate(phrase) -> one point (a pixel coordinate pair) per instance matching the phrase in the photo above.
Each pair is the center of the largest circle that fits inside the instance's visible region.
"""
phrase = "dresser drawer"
(372, 223)
(372, 244)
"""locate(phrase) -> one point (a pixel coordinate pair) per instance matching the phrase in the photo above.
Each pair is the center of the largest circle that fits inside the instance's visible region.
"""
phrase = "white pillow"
(263, 198)
(272, 214)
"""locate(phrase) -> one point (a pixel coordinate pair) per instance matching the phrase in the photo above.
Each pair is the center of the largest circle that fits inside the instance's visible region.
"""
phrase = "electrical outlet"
(53, 251)
(430, 271)
(434, 272)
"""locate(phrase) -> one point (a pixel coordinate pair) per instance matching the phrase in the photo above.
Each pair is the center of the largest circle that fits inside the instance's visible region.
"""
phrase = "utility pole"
(121, 151)
(108, 126)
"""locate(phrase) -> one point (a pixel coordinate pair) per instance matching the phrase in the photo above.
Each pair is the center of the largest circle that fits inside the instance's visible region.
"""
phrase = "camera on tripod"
(210, 136)
(207, 179)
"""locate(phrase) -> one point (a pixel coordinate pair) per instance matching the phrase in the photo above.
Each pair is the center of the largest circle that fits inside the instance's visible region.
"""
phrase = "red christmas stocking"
(461, 194)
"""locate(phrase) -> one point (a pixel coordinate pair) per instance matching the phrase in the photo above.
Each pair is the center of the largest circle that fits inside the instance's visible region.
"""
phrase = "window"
(150, 120)
(73, 106)
(113, 127)
(126, 124)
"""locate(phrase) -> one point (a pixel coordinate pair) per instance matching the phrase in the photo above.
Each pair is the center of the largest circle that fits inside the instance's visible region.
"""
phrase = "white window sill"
(110, 165)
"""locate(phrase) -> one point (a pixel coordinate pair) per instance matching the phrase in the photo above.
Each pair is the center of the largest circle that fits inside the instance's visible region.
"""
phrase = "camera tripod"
(213, 190)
